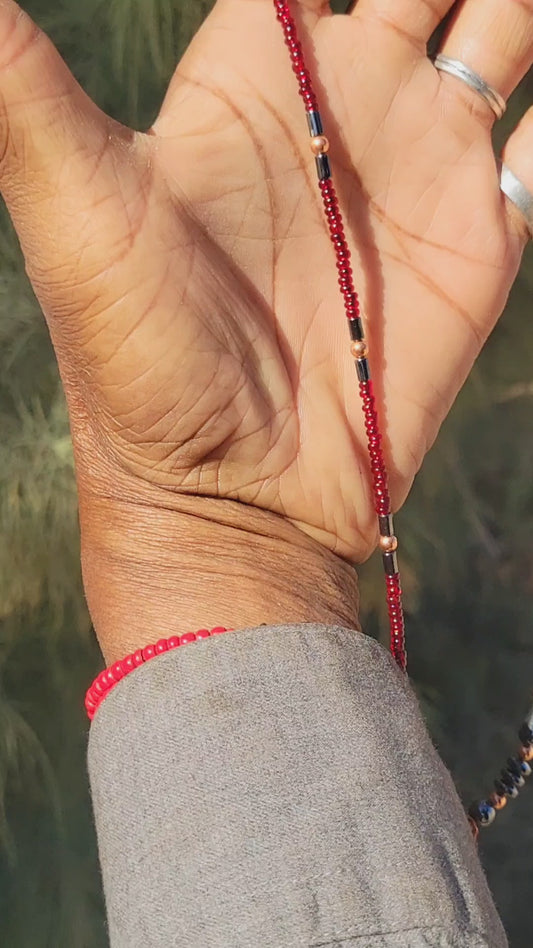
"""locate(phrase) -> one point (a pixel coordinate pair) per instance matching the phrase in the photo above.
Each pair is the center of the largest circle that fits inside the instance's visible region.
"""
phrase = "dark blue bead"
(520, 768)
(483, 813)
(505, 789)
(513, 765)
(511, 779)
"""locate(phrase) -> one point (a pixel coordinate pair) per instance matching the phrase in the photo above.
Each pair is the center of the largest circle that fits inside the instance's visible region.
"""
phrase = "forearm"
(153, 571)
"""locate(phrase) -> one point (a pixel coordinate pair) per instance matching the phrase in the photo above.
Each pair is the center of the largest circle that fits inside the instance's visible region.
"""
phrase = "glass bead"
(187, 638)
(483, 813)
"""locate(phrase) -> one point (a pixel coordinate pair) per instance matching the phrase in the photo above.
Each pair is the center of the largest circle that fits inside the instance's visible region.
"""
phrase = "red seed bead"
(188, 637)
(161, 646)
(148, 652)
(218, 630)
(128, 664)
(118, 671)
(138, 658)
(173, 641)
(203, 634)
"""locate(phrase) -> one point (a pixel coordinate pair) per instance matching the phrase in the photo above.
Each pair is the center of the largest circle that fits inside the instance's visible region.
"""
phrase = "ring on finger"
(461, 71)
(518, 194)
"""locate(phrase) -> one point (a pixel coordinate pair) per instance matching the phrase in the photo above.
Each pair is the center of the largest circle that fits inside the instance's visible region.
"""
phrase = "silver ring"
(458, 69)
(518, 194)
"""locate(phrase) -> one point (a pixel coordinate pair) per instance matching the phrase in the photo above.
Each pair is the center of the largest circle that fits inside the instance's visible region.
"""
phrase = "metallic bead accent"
(356, 329)
(319, 145)
(388, 544)
(314, 122)
(390, 563)
(363, 370)
(386, 526)
(323, 167)
(359, 349)
(526, 753)
(497, 801)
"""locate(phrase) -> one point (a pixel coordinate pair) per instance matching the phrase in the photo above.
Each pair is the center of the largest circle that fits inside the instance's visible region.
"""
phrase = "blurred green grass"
(466, 544)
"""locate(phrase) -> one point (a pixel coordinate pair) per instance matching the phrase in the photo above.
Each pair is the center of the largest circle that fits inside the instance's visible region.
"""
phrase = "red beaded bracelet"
(109, 677)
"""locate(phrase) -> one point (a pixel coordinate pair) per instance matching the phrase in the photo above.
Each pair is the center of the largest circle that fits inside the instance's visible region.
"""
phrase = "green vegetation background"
(467, 552)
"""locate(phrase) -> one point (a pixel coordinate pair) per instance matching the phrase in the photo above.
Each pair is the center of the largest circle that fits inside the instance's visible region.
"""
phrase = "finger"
(48, 126)
(518, 156)
(237, 35)
(495, 39)
(415, 20)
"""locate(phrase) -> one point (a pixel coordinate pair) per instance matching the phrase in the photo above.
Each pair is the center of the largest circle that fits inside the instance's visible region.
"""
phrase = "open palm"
(187, 277)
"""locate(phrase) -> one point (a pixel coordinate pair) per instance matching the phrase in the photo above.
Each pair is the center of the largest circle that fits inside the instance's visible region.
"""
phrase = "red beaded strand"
(109, 677)
(359, 348)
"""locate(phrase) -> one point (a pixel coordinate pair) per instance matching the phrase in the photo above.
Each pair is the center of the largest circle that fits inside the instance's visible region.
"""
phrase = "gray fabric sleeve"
(276, 787)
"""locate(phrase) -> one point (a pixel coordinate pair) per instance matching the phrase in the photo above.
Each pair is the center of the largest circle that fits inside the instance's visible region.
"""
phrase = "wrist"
(153, 571)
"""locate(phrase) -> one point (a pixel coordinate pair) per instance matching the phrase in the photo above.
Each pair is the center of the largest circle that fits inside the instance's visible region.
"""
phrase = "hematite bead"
(363, 370)
(483, 813)
(386, 526)
(390, 563)
(323, 167)
(356, 329)
(314, 122)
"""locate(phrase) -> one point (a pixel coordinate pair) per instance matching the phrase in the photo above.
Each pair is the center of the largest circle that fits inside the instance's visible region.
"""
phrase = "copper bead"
(359, 349)
(388, 544)
(319, 145)
(526, 753)
(497, 801)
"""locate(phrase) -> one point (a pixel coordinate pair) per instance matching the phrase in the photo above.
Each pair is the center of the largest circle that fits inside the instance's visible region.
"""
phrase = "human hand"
(187, 277)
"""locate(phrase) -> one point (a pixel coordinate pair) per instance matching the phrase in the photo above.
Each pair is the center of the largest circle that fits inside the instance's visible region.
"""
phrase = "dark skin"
(187, 277)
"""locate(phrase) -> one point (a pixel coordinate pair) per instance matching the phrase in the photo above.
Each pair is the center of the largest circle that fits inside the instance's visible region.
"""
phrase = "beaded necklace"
(512, 777)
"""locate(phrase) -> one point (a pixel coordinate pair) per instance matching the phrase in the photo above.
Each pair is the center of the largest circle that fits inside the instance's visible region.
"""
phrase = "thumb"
(49, 127)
